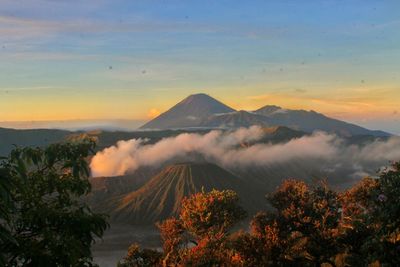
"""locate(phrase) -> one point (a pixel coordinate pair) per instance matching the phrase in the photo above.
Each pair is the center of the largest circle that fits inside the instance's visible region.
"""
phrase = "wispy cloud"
(48, 56)
(18, 27)
(224, 148)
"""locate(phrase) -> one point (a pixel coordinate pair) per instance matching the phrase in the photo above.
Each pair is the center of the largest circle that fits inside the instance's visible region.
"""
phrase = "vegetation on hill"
(43, 219)
(309, 226)
(45, 222)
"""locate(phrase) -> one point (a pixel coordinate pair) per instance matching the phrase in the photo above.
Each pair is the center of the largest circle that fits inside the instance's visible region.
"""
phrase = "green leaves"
(47, 221)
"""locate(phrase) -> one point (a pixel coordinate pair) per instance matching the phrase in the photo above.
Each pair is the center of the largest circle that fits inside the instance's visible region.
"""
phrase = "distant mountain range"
(9, 138)
(203, 111)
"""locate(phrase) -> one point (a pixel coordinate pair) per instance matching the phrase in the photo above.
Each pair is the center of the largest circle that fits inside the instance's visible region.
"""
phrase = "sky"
(91, 60)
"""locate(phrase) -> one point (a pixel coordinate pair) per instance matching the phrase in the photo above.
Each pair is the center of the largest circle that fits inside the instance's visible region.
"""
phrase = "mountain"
(203, 111)
(268, 110)
(104, 189)
(161, 197)
(280, 134)
(234, 120)
(310, 121)
(23, 138)
(188, 113)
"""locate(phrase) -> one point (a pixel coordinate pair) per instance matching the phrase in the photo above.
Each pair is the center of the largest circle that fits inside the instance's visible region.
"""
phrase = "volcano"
(161, 197)
(203, 111)
(188, 113)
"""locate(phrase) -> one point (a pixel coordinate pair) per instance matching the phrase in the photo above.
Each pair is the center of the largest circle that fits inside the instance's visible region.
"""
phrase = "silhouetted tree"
(49, 224)
(6, 207)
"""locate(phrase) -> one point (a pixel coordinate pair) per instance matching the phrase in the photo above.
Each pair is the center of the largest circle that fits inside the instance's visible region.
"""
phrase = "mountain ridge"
(203, 111)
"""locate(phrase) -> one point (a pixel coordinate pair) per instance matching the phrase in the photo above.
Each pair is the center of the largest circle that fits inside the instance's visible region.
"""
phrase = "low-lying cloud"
(240, 149)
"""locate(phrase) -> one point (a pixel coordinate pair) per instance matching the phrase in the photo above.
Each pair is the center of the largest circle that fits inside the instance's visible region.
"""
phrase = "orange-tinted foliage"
(309, 226)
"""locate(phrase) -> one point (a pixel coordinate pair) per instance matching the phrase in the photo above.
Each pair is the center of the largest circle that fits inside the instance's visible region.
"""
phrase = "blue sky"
(66, 60)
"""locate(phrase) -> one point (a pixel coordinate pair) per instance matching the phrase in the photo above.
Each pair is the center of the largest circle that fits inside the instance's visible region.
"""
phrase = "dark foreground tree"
(5, 208)
(48, 224)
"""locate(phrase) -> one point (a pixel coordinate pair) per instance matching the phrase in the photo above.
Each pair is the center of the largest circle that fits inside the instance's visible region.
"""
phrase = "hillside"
(23, 138)
(44, 137)
(160, 197)
(310, 121)
(235, 120)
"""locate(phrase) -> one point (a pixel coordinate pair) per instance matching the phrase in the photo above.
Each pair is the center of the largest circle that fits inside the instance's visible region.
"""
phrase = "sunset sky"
(106, 60)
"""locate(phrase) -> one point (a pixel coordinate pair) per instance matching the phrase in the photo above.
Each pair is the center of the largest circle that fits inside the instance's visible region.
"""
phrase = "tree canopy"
(44, 221)
(309, 225)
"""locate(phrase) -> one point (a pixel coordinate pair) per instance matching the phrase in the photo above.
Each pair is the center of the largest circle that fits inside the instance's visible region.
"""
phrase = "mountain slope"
(201, 110)
(161, 197)
(23, 138)
(188, 113)
(310, 121)
(235, 120)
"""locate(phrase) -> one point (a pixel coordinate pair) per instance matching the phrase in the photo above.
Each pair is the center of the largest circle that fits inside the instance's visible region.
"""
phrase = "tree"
(198, 237)
(356, 207)
(49, 223)
(5, 210)
(207, 214)
(309, 226)
(248, 250)
(307, 219)
(141, 257)
(172, 232)
(384, 244)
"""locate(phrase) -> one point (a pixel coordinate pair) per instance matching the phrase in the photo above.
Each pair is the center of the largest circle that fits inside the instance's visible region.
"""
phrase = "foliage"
(207, 214)
(384, 244)
(172, 231)
(6, 206)
(199, 236)
(357, 204)
(48, 222)
(139, 257)
(303, 228)
(308, 226)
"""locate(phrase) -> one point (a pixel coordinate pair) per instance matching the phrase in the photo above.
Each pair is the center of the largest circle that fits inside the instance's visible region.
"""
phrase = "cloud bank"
(232, 149)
